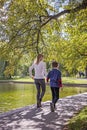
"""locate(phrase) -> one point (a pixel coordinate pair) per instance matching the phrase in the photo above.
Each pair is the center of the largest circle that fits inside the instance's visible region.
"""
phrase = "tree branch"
(38, 35)
(78, 8)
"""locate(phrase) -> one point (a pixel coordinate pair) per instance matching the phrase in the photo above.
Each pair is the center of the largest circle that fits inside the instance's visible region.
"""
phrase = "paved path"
(31, 118)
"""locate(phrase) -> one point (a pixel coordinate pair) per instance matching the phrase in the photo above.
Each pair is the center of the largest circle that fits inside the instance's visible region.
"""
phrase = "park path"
(31, 118)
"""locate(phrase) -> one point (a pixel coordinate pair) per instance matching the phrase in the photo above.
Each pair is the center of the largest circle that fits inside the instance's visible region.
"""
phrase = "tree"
(77, 40)
(29, 27)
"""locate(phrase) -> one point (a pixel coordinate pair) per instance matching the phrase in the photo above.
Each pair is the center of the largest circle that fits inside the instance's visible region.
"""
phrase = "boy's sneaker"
(52, 107)
(55, 107)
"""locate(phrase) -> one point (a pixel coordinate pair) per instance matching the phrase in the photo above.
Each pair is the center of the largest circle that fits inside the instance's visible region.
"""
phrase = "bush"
(79, 122)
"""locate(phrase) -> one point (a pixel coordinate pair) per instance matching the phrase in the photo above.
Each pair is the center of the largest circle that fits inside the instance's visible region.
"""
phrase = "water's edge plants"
(79, 121)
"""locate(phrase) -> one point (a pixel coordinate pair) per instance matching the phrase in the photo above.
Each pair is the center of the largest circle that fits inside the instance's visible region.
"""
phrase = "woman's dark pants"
(41, 88)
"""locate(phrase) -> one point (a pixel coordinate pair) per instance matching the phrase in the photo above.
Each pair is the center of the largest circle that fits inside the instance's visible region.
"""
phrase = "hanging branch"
(38, 35)
(78, 8)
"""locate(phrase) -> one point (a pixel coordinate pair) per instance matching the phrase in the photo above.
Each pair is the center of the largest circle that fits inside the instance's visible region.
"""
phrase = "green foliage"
(24, 24)
(31, 30)
(2, 65)
(2, 3)
(79, 122)
(77, 40)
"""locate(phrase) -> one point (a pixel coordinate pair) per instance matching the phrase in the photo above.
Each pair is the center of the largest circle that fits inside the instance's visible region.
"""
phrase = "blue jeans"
(41, 88)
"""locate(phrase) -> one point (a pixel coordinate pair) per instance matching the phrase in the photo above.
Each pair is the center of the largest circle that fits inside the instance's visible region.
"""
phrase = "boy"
(55, 83)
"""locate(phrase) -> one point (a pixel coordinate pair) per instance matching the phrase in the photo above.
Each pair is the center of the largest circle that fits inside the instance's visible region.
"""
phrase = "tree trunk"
(86, 71)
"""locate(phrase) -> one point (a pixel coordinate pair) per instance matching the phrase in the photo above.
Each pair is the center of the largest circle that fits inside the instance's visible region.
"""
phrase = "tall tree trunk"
(86, 71)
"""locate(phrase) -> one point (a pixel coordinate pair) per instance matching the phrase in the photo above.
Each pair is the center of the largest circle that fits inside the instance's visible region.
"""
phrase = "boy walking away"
(55, 83)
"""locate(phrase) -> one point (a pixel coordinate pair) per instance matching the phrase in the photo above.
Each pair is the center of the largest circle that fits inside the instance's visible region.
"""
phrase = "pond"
(14, 96)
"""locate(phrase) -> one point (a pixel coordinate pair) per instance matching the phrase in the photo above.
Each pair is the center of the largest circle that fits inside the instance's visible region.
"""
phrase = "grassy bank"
(64, 80)
(68, 80)
(79, 122)
(72, 80)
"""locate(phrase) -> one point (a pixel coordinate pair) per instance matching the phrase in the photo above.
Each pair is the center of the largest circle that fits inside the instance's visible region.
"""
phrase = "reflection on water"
(18, 95)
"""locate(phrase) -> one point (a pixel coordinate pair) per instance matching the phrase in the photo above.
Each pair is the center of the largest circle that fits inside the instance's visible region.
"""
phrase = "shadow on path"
(30, 118)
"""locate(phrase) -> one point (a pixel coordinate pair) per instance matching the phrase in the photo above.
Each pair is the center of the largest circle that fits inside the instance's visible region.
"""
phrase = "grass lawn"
(79, 122)
(64, 80)
(70, 80)
(74, 80)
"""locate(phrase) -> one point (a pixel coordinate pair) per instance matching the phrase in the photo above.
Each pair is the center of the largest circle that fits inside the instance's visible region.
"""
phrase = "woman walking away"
(55, 83)
(39, 77)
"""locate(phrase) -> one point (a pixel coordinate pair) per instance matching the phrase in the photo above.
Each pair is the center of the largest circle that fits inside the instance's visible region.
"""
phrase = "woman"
(40, 72)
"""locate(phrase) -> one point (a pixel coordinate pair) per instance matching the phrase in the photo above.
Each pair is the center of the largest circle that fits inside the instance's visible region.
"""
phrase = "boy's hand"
(47, 80)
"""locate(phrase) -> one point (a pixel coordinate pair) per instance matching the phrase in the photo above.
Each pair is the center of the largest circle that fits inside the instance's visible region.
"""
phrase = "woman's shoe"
(39, 103)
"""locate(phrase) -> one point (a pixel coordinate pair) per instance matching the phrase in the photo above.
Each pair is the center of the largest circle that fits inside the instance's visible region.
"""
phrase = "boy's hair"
(54, 64)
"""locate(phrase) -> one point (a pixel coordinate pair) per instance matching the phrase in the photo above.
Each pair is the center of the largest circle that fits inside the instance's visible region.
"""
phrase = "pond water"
(14, 96)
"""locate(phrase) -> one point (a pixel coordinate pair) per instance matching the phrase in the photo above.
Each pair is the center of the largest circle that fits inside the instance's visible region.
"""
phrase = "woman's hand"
(32, 77)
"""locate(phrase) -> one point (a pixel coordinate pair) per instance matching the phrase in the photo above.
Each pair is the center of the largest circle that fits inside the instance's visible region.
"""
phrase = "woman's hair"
(39, 58)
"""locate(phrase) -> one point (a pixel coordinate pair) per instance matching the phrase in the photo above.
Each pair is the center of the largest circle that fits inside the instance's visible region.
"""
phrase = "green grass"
(24, 79)
(70, 80)
(74, 80)
(28, 79)
(64, 80)
(79, 122)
